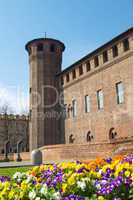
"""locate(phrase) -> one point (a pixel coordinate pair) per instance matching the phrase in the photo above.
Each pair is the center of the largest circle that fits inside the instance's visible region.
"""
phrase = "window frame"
(87, 103)
(115, 51)
(96, 61)
(120, 99)
(126, 45)
(80, 70)
(88, 66)
(105, 56)
(74, 108)
(67, 77)
(74, 74)
(100, 100)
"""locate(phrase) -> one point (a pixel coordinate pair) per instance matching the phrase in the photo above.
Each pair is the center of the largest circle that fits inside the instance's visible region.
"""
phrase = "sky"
(82, 25)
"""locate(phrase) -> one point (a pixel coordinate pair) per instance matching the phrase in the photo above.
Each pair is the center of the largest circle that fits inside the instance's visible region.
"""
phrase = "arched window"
(112, 133)
(89, 136)
(71, 139)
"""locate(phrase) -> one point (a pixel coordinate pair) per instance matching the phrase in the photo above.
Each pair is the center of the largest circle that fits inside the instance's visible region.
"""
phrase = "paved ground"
(26, 163)
(15, 164)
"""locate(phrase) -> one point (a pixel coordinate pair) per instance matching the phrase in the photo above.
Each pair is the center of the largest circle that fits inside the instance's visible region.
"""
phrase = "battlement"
(106, 55)
(14, 117)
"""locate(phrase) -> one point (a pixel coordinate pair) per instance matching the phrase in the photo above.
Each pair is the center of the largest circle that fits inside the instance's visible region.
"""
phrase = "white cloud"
(16, 97)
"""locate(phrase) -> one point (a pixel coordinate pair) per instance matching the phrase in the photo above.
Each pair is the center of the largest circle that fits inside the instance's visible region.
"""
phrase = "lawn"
(12, 170)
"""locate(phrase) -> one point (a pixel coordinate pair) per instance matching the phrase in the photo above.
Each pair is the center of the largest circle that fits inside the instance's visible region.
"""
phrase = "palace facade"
(95, 93)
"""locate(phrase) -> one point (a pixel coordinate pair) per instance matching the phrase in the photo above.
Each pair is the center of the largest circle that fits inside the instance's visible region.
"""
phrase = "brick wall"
(84, 151)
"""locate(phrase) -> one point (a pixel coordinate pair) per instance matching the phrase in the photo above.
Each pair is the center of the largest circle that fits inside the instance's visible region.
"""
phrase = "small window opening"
(88, 66)
(105, 56)
(40, 47)
(126, 44)
(115, 51)
(74, 74)
(96, 61)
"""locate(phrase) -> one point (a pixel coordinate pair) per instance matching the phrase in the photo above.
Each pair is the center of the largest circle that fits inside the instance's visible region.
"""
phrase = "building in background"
(14, 128)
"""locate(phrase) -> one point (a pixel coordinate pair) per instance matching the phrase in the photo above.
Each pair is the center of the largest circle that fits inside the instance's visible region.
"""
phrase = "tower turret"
(45, 59)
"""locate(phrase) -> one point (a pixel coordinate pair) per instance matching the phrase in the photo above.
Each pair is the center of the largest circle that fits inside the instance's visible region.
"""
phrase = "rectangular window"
(126, 44)
(120, 92)
(115, 51)
(80, 70)
(74, 108)
(87, 104)
(74, 74)
(88, 66)
(105, 56)
(100, 99)
(96, 61)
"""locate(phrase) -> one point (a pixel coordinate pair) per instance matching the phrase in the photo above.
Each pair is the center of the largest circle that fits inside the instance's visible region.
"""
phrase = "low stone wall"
(81, 151)
(10, 156)
(75, 151)
(87, 151)
(24, 155)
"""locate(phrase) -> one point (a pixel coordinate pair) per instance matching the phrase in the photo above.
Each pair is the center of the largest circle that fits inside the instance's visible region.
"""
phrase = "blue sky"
(82, 25)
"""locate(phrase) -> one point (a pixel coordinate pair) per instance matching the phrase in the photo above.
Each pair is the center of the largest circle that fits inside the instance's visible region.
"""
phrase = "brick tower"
(45, 59)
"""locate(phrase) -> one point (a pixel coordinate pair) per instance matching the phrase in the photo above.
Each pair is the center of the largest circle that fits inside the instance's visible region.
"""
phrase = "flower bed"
(110, 179)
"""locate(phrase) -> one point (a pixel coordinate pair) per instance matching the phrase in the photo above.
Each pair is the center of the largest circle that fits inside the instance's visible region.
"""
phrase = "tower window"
(52, 48)
(88, 66)
(126, 44)
(74, 108)
(115, 51)
(40, 47)
(87, 104)
(105, 56)
(96, 61)
(100, 99)
(80, 70)
(120, 92)
(74, 74)
(67, 78)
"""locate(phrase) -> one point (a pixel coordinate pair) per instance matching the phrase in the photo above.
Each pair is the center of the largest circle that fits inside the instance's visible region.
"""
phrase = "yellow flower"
(100, 198)
(64, 186)
(21, 195)
(71, 180)
(24, 186)
(127, 173)
(132, 175)
(98, 175)
(11, 194)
